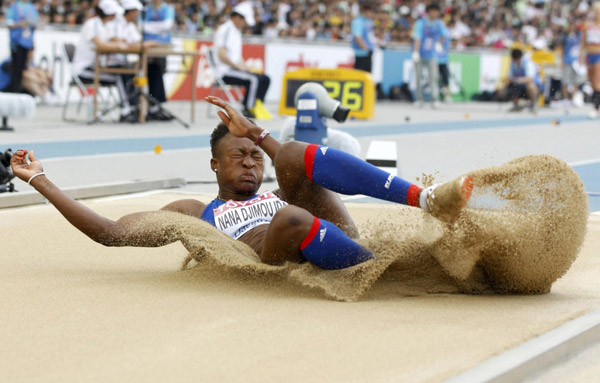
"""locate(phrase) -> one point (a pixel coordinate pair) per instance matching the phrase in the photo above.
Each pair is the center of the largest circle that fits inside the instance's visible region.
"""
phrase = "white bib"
(235, 218)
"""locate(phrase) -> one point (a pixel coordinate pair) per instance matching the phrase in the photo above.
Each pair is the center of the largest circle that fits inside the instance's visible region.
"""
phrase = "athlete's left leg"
(343, 173)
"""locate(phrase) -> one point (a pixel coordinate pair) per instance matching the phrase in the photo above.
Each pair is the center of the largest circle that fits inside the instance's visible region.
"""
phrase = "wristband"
(262, 136)
(35, 175)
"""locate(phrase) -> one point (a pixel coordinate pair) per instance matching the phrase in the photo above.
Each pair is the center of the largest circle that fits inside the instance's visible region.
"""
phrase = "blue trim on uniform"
(593, 58)
(208, 214)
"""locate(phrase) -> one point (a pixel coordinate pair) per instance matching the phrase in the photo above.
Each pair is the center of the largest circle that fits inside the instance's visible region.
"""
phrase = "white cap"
(110, 7)
(247, 11)
(129, 5)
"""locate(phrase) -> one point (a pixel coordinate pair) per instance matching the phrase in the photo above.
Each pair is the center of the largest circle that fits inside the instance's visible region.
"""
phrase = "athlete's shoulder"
(279, 194)
(189, 207)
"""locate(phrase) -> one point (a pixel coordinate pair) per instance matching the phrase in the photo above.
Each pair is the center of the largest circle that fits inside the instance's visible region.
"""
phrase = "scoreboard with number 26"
(353, 88)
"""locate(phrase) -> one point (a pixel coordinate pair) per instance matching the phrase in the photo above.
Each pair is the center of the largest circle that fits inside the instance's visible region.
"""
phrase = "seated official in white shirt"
(230, 66)
(125, 29)
(95, 33)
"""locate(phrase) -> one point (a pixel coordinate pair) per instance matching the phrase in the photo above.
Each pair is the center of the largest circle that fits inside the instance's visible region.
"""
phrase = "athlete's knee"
(292, 222)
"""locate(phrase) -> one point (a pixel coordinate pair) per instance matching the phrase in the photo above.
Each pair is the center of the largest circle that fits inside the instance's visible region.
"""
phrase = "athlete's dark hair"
(220, 132)
(216, 136)
(516, 54)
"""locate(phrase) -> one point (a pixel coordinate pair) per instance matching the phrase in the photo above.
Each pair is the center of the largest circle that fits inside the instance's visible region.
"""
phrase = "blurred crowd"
(471, 23)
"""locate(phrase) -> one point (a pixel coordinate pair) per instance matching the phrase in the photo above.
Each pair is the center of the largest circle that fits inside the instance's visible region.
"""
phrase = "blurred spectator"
(523, 80)
(363, 37)
(22, 18)
(229, 63)
(471, 23)
(158, 23)
(428, 38)
(570, 43)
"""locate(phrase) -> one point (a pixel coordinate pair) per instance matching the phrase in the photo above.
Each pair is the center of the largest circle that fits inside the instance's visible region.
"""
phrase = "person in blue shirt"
(428, 38)
(362, 38)
(4, 74)
(443, 64)
(571, 41)
(21, 19)
(159, 19)
(523, 80)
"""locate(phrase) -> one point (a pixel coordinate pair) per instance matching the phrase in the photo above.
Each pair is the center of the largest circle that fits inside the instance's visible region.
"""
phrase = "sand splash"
(521, 231)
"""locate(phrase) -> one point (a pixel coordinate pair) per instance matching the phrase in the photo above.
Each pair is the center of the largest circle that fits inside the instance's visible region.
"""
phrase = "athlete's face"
(239, 166)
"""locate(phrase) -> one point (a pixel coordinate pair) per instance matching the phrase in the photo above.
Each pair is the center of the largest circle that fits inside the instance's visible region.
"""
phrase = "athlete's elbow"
(106, 236)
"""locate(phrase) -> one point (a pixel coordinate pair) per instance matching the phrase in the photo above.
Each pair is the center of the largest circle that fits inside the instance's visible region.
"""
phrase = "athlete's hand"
(237, 124)
(21, 168)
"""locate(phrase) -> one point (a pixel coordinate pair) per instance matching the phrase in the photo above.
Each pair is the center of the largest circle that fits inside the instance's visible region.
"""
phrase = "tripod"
(144, 96)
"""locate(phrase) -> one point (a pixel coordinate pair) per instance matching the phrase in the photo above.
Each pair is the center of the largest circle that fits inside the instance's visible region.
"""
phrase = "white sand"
(72, 310)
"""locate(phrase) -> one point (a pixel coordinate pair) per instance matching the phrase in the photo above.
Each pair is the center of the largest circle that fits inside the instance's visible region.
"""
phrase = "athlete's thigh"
(298, 190)
(325, 204)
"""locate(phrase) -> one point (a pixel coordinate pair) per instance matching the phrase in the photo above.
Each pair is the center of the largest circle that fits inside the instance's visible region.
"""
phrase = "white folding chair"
(229, 90)
(84, 88)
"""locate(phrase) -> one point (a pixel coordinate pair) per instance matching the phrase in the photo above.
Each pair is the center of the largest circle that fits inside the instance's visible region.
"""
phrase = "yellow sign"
(353, 88)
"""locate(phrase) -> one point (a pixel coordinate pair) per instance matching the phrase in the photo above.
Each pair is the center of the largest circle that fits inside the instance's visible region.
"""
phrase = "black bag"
(401, 93)
(5, 172)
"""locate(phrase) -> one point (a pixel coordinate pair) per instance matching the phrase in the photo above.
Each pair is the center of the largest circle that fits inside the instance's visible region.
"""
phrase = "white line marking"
(585, 162)
(126, 196)
(124, 154)
(536, 354)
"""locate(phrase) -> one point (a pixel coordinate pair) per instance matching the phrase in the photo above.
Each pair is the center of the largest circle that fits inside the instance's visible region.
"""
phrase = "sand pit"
(522, 231)
(74, 310)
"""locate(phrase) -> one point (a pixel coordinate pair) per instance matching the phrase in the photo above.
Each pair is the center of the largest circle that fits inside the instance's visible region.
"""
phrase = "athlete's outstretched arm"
(122, 232)
(240, 126)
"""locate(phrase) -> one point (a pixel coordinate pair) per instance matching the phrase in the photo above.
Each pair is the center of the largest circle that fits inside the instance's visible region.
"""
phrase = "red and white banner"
(282, 58)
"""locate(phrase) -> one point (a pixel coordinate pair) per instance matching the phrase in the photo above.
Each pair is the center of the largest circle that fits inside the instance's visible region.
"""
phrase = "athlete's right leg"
(295, 235)
(298, 190)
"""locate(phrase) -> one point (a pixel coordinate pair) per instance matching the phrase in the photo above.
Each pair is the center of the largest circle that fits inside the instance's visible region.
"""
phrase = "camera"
(6, 174)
